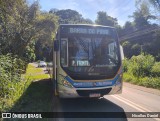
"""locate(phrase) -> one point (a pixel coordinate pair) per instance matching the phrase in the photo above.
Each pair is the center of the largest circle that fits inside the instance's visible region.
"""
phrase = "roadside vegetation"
(11, 84)
(14, 84)
(37, 96)
(142, 70)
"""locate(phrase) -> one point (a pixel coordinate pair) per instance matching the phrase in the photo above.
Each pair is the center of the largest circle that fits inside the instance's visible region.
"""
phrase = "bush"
(11, 68)
(141, 65)
(129, 78)
(156, 69)
(125, 64)
(150, 82)
(142, 70)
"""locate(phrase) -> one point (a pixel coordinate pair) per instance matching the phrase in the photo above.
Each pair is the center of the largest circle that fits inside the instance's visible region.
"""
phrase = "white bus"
(87, 61)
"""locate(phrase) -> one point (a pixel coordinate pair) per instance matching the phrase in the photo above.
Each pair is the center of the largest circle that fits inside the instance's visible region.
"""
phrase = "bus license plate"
(95, 95)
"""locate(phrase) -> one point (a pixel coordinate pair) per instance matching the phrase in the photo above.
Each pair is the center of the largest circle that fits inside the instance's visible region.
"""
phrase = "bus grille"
(88, 92)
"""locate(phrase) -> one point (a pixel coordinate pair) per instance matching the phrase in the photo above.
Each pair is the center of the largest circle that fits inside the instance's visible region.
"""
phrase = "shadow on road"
(37, 98)
(88, 105)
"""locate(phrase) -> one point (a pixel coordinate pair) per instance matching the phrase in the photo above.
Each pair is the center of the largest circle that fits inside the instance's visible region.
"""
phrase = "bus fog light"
(67, 84)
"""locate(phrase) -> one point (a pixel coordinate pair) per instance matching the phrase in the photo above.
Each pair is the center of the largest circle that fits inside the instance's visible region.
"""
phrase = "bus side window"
(64, 52)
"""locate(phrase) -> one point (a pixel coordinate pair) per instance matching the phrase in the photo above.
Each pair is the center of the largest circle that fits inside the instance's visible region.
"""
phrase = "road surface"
(133, 99)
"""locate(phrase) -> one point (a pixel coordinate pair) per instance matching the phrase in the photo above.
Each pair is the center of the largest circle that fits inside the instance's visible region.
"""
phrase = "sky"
(119, 9)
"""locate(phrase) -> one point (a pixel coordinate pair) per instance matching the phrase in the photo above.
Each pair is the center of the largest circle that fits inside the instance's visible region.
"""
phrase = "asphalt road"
(131, 100)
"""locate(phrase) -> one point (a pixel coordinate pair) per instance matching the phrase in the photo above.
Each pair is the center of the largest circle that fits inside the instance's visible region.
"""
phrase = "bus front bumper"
(67, 92)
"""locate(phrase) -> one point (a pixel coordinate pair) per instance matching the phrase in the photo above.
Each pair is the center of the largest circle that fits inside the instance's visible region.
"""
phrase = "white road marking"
(133, 105)
(128, 103)
(146, 110)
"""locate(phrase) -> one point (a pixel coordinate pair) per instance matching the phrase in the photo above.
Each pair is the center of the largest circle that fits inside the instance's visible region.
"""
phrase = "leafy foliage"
(152, 82)
(14, 88)
(44, 43)
(29, 53)
(69, 16)
(125, 65)
(16, 26)
(11, 69)
(128, 27)
(141, 65)
(22, 24)
(147, 43)
(142, 15)
(156, 4)
(104, 19)
(142, 70)
(156, 69)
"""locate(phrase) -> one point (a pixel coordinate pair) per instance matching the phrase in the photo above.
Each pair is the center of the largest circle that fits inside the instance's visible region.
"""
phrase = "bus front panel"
(89, 62)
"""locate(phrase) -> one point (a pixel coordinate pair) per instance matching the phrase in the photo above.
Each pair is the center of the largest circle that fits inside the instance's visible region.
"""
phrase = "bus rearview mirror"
(122, 53)
(56, 46)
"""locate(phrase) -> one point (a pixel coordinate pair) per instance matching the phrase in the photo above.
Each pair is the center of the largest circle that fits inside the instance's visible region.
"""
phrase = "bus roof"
(91, 25)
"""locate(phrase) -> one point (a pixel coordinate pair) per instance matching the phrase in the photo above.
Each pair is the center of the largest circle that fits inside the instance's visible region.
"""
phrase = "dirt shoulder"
(145, 89)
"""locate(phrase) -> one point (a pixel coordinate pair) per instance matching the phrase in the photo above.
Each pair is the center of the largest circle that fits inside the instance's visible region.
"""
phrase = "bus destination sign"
(98, 31)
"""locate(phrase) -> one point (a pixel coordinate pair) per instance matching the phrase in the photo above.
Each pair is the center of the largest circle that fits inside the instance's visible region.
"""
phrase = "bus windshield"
(90, 57)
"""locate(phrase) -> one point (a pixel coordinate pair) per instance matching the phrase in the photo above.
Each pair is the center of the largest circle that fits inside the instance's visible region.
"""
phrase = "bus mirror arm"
(56, 46)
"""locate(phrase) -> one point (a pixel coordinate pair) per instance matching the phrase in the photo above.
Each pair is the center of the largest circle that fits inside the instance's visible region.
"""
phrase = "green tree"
(142, 15)
(20, 24)
(17, 25)
(126, 48)
(119, 30)
(156, 4)
(128, 27)
(29, 52)
(104, 19)
(48, 23)
(139, 42)
(142, 65)
(69, 16)
(9, 11)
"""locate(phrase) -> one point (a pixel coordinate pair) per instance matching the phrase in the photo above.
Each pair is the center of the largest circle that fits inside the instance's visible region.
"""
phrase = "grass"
(34, 73)
(37, 98)
(30, 93)
(38, 95)
(39, 77)
(34, 70)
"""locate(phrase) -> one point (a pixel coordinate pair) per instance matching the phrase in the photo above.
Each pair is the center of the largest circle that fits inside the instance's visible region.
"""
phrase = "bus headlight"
(66, 83)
